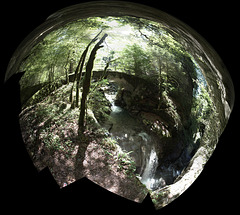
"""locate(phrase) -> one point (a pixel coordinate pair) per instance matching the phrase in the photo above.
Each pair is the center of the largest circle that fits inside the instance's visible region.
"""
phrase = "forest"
(118, 100)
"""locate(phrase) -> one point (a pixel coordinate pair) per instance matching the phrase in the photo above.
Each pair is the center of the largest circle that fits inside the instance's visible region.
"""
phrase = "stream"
(133, 138)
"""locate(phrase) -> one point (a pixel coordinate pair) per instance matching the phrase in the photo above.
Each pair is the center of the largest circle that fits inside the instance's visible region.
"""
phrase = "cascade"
(111, 98)
(150, 170)
(131, 136)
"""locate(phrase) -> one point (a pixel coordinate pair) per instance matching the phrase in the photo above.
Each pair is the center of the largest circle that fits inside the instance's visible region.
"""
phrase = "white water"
(150, 170)
(111, 98)
(132, 137)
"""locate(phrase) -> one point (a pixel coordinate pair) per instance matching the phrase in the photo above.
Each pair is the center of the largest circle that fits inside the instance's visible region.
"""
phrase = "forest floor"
(50, 132)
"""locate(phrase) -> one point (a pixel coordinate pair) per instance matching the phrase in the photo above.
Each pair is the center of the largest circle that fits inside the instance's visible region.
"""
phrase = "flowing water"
(150, 169)
(133, 137)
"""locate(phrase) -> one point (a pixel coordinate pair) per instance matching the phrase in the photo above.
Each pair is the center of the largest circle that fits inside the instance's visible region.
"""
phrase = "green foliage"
(125, 162)
(109, 143)
(123, 157)
(51, 141)
(148, 50)
(48, 59)
(157, 196)
(203, 110)
(97, 101)
(202, 105)
(135, 60)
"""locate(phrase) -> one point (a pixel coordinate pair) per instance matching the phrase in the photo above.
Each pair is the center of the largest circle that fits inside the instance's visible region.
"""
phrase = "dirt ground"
(50, 132)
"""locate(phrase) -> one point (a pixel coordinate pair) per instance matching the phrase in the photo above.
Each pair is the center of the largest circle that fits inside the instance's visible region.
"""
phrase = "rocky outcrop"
(168, 121)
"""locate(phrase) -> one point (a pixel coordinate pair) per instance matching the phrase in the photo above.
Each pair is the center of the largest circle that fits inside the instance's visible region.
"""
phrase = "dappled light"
(128, 102)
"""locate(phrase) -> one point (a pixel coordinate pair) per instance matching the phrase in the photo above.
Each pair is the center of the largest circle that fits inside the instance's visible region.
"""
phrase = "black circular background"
(26, 190)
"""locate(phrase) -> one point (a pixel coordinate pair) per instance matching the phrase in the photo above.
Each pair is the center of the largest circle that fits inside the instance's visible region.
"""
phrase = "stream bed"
(133, 137)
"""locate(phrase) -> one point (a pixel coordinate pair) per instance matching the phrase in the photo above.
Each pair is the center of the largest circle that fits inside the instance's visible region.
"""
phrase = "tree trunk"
(160, 83)
(105, 71)
(87, 83)
(79, 75)
(104, 74)
(78, 72)
(51, 76)
(66, 76)
(65, 68)
(74, 79)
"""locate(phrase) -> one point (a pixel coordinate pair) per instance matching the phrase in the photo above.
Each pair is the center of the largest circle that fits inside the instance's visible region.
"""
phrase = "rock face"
(168, 117)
